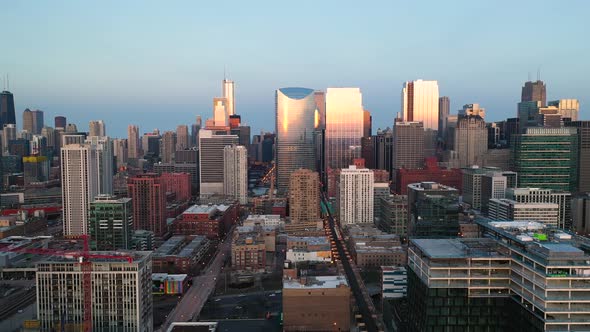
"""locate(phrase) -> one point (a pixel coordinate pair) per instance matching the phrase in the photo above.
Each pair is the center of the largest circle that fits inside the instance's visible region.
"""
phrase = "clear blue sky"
(160, 63)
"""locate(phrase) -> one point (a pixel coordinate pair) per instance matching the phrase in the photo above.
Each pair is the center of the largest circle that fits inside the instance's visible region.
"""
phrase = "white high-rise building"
(121, 293)
(96, 128)
(235, 172)
(420, 103)
(79, 186)
(133, 143)
(104, 158)
(228, 94)
(355, 195)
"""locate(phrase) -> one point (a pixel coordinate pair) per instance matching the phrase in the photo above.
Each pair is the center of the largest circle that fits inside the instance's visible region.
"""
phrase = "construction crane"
(84, 257)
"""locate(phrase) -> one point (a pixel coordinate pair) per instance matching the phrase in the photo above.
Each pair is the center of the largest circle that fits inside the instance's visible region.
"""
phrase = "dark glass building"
(7, 114)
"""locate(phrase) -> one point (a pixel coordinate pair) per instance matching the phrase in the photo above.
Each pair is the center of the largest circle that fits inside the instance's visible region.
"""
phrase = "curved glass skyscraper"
(295, 115)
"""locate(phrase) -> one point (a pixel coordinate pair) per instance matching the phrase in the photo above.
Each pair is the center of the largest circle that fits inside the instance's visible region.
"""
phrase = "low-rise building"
(211, 220)
(372, 248)
(268, 234)
(272, 220)
(180, 254)
(169, 284)
(316, 303)
(313, 249)
(248, 252)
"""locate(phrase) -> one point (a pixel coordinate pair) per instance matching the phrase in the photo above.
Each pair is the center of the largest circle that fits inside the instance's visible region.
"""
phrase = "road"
(371, 323)
(193, 300)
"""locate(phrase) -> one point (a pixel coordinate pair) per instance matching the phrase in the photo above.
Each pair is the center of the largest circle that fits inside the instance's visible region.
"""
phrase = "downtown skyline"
(166, 74)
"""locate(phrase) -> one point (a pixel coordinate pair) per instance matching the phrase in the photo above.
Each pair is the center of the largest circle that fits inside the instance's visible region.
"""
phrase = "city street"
(193, 300)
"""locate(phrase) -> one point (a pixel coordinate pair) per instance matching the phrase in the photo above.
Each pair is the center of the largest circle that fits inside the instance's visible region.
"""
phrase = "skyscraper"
(320, 104)
(182, 137)
(408, 145)
(168, 146)
(38, 121)
(344, 126)
(528, 114)
(60, 122)
(367, 123)
(583, 128)
(546, 158)
(420, 103)
(148, 196)
(304, 196)
(104, 158)
(211, 161)
(534, 91)
(79, 185)
(220, 112)
(444, 107)
(28, 125)
(355, 196)
(7, 114)
(120, 151)
(471, 140)
(96, 128)
(295, 119)
(228, 94)
(133, 143)
(235, 173)
(568, 108)
(384, 150)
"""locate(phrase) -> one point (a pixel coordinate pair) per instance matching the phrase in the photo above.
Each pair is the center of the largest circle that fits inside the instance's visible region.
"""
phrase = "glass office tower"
(344, 126)
(295, 148)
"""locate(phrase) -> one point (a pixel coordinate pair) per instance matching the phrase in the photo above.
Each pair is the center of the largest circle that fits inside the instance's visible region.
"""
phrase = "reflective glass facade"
(295, 117)
(420, 103)
(344, 126)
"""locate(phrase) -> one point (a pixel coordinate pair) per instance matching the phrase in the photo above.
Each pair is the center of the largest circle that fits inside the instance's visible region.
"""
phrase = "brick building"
(179, 184)
(212, 220)
(148, 197)
(449, 177)
(248, 252)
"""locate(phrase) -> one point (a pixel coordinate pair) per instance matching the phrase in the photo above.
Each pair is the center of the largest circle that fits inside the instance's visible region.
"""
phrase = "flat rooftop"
(310, 240)
(457, 248)
(316, 282)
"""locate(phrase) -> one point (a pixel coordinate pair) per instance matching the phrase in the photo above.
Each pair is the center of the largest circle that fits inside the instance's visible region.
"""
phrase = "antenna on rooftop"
(529, 76)
(539, 73)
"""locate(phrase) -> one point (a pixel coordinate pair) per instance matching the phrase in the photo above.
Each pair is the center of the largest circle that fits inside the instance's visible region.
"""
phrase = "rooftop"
(310, 240)
(315, 282)
(456, 248)
(166, 276)
(429, 185)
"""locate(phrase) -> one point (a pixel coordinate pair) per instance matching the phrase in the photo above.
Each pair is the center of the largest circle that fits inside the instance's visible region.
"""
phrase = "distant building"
(581, 214)
(211, 161)
(60, 122)
(96, 128)
(444, 107)
(355, 197)
(60, 286)
(7, 113)
(110, 223)
(248, 252)
(235, 173)
(583, 163)
(408, 145)
(133, 143)
(471, 139)
(168, 147)
(182, 138)
(534, 91)
(420, 103)
(344, 126)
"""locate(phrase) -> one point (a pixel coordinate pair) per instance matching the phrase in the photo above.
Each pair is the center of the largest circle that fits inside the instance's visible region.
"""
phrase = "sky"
(159, 64)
